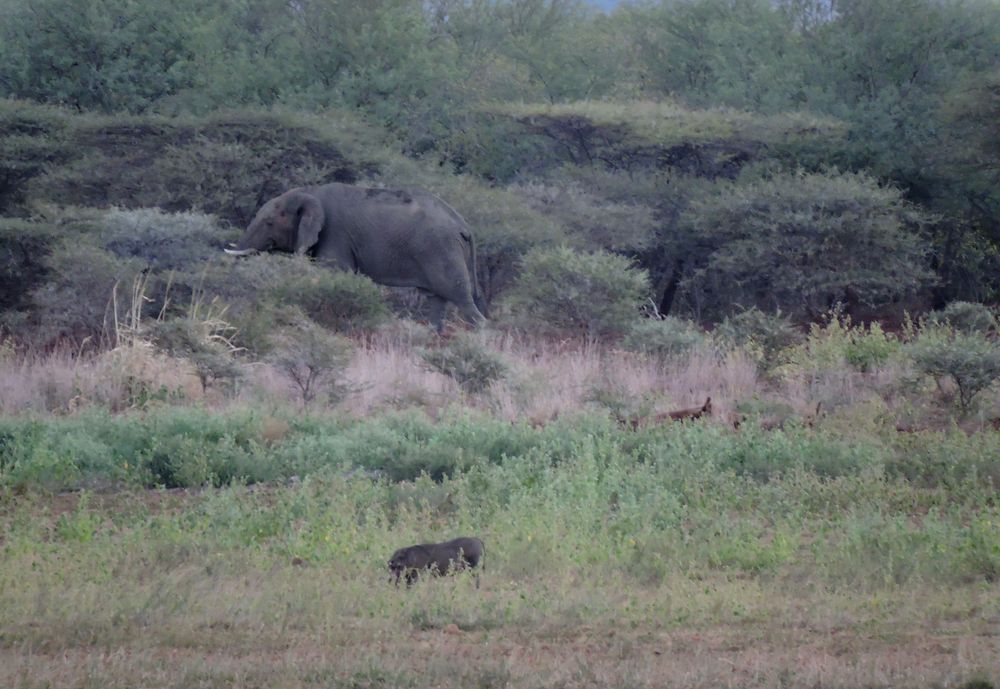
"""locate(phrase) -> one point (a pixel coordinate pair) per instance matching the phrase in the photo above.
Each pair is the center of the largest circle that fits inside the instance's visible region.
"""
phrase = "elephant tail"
(477, 295)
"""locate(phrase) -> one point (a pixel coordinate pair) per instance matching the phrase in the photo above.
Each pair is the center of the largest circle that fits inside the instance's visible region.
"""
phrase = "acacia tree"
(312, 358)
(970, 359)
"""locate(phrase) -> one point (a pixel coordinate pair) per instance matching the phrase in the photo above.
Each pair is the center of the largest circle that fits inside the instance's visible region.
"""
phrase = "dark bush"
(24, 247)
(805, 242)
(32, 137)
(89, 292)
(226, 165)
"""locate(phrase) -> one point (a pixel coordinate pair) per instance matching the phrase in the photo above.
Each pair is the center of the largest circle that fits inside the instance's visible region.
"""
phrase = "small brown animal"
(439, 558)
(692, 413)
(636, 422)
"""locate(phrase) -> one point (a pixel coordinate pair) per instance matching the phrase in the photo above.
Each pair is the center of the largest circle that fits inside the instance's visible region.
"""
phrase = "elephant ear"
(311, 218)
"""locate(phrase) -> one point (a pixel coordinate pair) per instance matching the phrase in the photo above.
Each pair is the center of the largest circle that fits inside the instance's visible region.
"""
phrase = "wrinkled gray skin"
(439, 558)
(397, 237)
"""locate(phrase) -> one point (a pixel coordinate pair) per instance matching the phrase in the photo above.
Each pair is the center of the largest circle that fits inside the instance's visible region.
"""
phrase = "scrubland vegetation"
(788, 207)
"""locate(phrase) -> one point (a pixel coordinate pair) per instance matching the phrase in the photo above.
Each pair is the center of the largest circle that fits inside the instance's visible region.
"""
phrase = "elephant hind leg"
(437, 306)
(472, 313)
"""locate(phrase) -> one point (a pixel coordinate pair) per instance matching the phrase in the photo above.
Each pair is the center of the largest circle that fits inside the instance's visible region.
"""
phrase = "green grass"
(172, 446)
(604, 546)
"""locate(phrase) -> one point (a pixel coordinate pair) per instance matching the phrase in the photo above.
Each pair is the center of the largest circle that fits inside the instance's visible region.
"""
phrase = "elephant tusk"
(239, 252)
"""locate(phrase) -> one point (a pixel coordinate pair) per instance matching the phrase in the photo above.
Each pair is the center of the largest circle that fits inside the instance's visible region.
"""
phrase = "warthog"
(439, 558)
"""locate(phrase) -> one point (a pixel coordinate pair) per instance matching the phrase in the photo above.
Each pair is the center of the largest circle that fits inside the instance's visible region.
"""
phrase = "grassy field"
(686, 555)
(156, 535)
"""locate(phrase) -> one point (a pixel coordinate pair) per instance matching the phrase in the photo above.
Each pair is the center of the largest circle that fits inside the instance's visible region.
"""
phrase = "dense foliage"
(791, 155)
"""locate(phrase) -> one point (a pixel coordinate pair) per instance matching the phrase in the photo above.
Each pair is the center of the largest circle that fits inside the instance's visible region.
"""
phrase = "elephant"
(403, 237)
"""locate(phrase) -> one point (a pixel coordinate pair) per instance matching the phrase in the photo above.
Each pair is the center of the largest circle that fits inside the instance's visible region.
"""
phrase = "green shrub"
(770, 334)
(163, 241)
(953, 460)
(595, 295)
(765, 456)
(667, 338)
(870, 348)
(168, 446)
(979, 550)
(467, 361)
(335, 299)
(837, 342)
(749, 550)
(80, 525)
(876, 550)
(970, 359)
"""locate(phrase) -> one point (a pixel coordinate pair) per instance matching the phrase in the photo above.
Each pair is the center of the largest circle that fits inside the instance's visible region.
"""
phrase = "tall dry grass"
(65, 381)
(546, 379)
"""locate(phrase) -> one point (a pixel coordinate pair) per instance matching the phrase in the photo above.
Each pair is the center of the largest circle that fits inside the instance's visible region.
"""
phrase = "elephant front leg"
(436, 307)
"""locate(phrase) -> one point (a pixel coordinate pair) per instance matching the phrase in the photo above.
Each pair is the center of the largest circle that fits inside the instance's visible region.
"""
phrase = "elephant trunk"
(252, 241)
